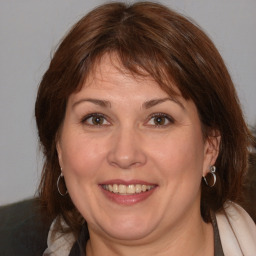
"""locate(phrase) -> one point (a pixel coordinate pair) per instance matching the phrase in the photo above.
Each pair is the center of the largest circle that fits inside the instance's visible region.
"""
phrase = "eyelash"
(161, 115)
(168, 118)
(96, 115)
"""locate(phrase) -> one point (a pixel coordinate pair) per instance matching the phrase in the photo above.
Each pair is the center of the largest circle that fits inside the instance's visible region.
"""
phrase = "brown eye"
(95, 120)
(160, 119)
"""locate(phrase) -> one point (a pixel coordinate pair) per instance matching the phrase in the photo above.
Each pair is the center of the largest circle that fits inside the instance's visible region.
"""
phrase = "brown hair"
(170, 48)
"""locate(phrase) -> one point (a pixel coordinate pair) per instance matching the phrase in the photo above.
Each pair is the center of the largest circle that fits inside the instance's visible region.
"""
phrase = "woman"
(144, 140)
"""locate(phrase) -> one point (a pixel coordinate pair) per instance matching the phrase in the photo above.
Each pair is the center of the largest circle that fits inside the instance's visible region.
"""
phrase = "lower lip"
(128, 199)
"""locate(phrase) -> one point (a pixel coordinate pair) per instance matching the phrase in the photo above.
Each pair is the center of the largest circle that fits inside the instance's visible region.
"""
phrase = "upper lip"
(126, 182)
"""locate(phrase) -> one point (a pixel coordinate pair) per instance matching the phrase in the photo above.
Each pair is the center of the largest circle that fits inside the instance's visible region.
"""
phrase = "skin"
(130, 144)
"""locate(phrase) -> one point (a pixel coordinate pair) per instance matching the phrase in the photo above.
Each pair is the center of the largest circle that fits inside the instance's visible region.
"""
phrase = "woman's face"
(132, 156)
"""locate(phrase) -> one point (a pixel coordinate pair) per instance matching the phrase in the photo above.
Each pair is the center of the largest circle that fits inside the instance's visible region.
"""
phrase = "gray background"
(29, 33)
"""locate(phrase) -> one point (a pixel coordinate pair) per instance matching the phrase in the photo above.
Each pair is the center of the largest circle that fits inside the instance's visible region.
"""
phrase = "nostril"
(125, 151)
(126, 161)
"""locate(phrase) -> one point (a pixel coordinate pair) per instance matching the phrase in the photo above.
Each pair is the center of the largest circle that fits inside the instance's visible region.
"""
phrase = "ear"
(59, 152)
(211, 150)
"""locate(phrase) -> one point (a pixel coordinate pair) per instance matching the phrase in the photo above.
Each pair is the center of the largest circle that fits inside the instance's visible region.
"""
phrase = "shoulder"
(237, 230)
(66, 244)
(22, 229)
(58, 243)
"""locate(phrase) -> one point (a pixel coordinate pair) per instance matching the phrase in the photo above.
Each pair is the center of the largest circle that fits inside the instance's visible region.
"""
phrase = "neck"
(191, 237)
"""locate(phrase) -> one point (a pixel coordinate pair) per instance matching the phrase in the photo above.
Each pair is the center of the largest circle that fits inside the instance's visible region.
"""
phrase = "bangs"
(131, 64)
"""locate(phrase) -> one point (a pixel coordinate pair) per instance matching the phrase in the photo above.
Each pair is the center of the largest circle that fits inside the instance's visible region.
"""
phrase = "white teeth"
(127, 190)
(138, 188)
(130, 189)
(115, 188)
(122, 189)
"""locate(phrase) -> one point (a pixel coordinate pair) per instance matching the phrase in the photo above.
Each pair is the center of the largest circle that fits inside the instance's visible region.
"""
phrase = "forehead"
(110, 69)
(110, 82)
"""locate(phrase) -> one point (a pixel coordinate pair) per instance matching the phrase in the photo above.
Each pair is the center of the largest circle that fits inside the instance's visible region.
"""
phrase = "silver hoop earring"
(212, 172)
(58, 180)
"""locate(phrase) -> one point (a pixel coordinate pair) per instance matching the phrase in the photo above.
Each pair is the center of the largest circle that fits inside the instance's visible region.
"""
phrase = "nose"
(126, 149)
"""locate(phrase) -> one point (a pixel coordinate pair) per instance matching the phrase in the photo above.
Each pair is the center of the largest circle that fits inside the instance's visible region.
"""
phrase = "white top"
(236, 228)
(237, 231)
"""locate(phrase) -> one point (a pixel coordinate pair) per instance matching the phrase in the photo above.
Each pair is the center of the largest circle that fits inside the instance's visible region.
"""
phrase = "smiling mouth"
(131, 189)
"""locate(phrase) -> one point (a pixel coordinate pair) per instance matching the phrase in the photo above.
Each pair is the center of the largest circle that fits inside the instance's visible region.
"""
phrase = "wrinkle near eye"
(160, 119)
(95, 120)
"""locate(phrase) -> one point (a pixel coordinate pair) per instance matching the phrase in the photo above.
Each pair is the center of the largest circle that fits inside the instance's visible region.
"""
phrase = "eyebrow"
(146, 105)
(153, 102)
(102, 103)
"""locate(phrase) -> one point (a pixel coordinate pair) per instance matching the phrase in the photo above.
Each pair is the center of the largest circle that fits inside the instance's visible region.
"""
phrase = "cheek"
(181, 157)
(82, 160)
(81, 156)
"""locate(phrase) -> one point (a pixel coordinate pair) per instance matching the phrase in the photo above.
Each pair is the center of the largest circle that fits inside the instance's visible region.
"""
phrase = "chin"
(128, 234)
(128, 229)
